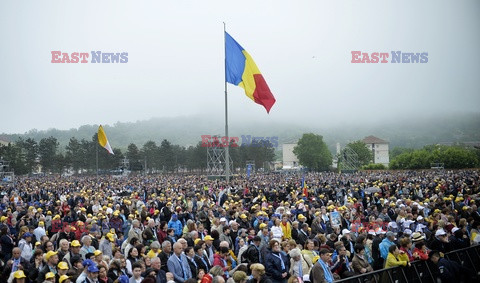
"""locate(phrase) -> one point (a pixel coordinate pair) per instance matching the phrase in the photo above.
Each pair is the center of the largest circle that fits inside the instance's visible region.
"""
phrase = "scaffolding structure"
(349, 160)
(216, 154)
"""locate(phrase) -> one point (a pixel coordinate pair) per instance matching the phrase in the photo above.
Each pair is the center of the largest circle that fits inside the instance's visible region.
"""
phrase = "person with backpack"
(252, 254)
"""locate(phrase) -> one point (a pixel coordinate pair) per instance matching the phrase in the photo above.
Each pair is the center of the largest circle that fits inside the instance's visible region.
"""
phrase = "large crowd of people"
(312, 227)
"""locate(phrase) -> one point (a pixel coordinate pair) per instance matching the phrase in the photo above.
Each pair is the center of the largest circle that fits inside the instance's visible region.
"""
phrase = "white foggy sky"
(175, 60)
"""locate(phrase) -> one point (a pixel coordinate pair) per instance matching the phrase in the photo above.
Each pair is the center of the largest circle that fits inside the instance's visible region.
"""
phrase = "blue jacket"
(273, 266)
(384, 245)
(178, 269)
(177, 226)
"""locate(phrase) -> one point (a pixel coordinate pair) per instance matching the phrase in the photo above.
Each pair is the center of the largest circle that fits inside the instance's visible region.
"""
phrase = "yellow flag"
(102, 140)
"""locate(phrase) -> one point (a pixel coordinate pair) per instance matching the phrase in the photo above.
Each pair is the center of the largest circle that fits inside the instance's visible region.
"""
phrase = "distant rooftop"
(4, 142)
(373, 139)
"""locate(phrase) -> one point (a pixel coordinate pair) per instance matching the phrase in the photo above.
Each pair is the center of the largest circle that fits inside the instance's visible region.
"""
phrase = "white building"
(379, 150)
(290, 160)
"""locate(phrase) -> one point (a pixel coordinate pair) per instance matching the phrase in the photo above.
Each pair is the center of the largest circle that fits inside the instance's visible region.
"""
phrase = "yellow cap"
(97, 252)
(49, 275)
(62, 265)
(208, 238)
(19, 274)
(63, 278)
(75, 243)
(262, 225)
(243, 216)
(110, 237)
(50, 254)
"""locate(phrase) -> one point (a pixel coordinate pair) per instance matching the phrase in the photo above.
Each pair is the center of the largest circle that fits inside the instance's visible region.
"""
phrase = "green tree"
(12, 153)
(167, 156)
(112, 161)
(74, 155)
(452, 157)
(313, 153)
(261, 151)
(60, 163)
(180, 156)
(30, 153)
(151, 153)
(396, 151)
(197, 157)
(365, 156)
(134, 157)
(47, 150)
(89, 153)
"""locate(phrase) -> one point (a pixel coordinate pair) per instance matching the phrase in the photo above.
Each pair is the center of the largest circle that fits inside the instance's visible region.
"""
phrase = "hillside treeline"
(27, 156)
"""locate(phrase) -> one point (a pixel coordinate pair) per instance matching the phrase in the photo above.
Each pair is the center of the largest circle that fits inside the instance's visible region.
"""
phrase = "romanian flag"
(102, 140)
(241, 70)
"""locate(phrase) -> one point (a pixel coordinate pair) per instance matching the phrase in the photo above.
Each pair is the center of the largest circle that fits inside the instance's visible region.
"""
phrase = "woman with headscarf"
(299, 264)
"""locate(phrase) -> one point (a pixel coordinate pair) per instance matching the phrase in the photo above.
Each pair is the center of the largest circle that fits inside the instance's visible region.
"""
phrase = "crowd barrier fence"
(424, 271)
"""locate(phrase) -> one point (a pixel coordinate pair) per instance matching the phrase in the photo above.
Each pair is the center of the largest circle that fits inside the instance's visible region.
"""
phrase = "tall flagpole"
(227, 152)
(97, 155)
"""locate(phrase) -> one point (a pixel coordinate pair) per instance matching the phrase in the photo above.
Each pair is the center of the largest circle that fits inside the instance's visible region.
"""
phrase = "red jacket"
(409, 254)
(423, 255)
(219, 260)
(207, 278)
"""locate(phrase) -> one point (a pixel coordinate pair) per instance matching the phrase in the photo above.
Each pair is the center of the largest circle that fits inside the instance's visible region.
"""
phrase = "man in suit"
(52, 260)
(157, 266)
(303, 234)
(13, 263)
(201, 259)
(165, 254)
(190, 253)
(295, 231)
(178, 264)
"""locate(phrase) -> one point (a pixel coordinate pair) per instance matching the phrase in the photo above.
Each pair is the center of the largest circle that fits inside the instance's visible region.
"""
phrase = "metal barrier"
(383, 275)
(423, 271)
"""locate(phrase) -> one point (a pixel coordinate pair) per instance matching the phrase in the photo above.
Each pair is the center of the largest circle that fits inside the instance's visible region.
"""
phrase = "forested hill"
(413, 132)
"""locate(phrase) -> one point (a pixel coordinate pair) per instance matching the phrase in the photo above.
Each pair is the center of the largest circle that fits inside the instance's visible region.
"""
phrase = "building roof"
(4, 142)
(373, 139)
